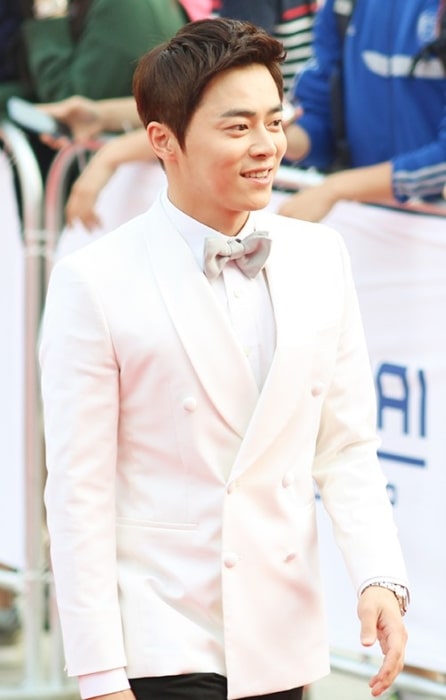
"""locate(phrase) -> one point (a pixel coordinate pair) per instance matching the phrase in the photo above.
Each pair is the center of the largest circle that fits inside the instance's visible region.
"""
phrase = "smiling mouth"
(257, 174)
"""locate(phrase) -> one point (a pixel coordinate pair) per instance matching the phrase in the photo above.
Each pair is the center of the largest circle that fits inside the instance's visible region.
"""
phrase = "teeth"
(258, 174)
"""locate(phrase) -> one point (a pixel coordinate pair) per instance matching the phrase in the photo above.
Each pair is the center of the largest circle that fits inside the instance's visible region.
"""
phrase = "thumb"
(368, 634)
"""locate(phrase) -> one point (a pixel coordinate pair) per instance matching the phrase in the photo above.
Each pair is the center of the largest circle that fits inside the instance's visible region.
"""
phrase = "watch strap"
(400, 592)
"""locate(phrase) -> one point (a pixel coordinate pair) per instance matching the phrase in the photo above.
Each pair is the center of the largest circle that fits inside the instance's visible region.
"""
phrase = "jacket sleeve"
(421, 173)
(351, 482)
(80, 391)
(312, 89)
(101, 63)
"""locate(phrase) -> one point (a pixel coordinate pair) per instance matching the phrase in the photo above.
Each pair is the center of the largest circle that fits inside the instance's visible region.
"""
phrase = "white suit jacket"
(180, 502)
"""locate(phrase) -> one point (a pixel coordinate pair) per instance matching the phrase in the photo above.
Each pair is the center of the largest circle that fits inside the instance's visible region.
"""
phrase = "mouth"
(263, 174)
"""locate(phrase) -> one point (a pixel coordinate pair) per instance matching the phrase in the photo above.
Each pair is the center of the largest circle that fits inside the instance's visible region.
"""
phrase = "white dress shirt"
(247, 303)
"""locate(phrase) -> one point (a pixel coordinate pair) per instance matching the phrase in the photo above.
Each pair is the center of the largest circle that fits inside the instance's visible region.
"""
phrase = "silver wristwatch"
(400, 592)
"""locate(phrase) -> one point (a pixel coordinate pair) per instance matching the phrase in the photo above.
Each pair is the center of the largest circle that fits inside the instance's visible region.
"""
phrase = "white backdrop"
(12, 499)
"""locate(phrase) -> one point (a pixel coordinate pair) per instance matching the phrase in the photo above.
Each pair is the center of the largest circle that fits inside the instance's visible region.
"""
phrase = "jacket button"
(230, 559)
(231, 487)
(317, 388)
(289, 557)
(190, 404)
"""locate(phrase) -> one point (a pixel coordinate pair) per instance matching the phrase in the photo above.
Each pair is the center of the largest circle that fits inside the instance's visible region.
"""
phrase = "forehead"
(240, 87)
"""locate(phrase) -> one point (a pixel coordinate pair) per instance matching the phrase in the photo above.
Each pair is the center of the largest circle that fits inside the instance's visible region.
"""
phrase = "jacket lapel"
(285, 381)
(203, 328)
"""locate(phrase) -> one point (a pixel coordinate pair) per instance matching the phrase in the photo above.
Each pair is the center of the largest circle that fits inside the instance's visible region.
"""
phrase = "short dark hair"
(169, 80)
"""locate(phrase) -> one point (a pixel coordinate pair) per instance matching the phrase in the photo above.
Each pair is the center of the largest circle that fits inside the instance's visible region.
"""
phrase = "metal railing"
(56, 193)
(39, 679)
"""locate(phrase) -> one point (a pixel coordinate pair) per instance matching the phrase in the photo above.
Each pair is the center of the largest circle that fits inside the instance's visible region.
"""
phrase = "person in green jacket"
(87, 47)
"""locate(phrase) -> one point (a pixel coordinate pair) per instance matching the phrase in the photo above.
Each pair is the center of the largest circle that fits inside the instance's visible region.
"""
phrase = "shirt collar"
(194, 232)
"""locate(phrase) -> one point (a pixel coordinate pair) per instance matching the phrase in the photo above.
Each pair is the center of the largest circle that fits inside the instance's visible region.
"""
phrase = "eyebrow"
(249, 113)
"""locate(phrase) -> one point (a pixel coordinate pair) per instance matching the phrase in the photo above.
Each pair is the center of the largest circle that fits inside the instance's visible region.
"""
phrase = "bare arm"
(368, 184)
(298, 142)
(126, 148)
(118, 114)
(88, 118)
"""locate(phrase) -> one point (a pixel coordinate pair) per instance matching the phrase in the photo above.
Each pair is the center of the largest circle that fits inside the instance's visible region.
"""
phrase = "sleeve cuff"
(102, 683)
(377, 579)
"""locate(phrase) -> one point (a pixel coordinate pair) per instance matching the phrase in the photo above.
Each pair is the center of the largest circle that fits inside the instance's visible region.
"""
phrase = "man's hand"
(381, 621)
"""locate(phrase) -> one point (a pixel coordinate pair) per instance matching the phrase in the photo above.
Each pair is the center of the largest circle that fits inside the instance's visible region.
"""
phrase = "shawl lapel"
(203, 329)
(289, 286)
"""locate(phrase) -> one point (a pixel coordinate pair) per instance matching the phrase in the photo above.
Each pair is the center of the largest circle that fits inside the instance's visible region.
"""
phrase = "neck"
(229, 223)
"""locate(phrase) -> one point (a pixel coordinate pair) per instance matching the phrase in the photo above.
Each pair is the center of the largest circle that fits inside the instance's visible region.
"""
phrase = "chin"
(259, 202)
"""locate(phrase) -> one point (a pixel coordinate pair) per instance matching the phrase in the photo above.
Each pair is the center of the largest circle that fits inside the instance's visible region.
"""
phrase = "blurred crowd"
(365, 97)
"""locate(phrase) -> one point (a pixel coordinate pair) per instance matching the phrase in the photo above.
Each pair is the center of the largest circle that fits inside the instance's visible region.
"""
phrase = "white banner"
(12, 325)
(399, 264)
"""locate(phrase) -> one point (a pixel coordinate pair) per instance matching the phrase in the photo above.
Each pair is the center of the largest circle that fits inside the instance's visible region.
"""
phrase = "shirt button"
(189, 404)
(237, 293)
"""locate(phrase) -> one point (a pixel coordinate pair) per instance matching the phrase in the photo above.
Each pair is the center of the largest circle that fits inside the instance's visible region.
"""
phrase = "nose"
(265, 143)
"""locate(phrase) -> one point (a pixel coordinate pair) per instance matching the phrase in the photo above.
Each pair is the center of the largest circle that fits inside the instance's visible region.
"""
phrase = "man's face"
(233, 147)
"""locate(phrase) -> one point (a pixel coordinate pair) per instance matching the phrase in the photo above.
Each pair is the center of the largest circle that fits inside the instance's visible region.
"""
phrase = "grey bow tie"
(249, 254)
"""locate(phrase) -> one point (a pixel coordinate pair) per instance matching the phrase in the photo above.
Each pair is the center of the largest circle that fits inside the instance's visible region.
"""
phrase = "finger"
(391, 666)
(88, 218)
(368, 634)
(385, 677)
(55, 143)
(92, 221)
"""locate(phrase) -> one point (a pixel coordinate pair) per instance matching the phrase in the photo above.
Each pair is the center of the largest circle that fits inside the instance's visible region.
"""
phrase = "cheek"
(281, 145)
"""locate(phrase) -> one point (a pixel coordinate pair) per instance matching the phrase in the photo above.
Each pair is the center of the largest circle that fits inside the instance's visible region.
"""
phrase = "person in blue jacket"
(393, 107)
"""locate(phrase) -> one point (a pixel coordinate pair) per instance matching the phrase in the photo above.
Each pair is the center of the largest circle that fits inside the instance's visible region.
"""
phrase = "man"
(392, 64)
(187, 414)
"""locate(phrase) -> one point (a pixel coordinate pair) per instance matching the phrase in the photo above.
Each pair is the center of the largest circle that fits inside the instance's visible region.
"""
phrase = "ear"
(162, 140)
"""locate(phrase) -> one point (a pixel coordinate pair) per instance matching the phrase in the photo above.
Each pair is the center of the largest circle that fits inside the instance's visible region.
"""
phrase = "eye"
(276, 123)
(239, 127)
